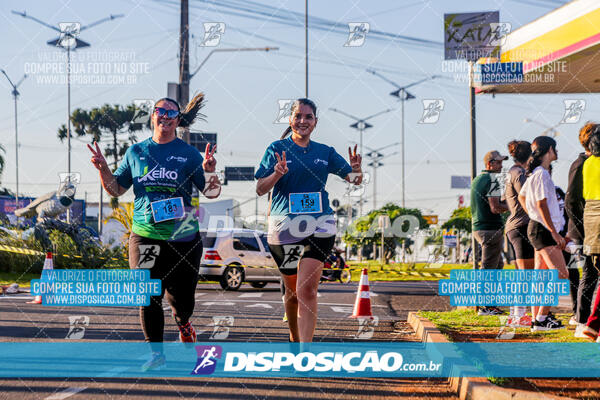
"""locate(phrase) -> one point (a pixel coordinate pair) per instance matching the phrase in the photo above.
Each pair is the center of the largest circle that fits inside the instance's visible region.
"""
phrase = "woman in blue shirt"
(164, 232)
(301, 222)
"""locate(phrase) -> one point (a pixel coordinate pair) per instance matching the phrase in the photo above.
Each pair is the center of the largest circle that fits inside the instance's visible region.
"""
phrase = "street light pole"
(15, 94)
(403, 95)
(68, 118)
(360, 125)
(229, 50)
(67, 40)
(403, 154)
(548, 127)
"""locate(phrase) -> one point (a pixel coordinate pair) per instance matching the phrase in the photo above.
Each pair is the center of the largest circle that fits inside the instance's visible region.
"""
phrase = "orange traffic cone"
(362, 306)
(48, 264)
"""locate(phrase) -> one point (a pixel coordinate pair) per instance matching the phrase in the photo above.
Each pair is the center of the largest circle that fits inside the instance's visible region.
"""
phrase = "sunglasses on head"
(161, 112)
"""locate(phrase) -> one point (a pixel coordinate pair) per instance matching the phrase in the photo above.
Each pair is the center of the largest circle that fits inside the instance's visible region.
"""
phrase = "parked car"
(234, 256)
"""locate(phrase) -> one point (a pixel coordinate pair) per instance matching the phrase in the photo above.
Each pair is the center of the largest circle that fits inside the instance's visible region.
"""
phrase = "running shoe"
(489, 311)
(590, 332)
(520, 322)
(284, 317)
(573, 321)
(155, 363)
(579, 332)
(187, 333)
(549, 324)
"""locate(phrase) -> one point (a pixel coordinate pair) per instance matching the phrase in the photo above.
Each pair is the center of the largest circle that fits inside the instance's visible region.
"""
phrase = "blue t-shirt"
(308, 169)
(157, 172)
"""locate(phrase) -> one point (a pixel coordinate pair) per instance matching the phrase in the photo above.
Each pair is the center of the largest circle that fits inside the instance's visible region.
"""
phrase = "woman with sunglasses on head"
(538, 199)
(164, 234)
(301, 223)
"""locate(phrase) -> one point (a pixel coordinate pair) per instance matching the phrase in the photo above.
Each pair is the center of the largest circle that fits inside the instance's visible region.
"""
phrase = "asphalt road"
(246, 315)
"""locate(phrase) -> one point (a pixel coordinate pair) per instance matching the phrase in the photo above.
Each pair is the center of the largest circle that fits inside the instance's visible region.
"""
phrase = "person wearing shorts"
(301, 223)
(486, 207)
(574, 207)
(164, 232)
(591, 223)
(516, 224)
(538, 198)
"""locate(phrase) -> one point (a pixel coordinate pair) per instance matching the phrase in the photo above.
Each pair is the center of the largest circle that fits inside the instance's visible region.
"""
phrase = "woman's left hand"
(209, 164)
(355, 159)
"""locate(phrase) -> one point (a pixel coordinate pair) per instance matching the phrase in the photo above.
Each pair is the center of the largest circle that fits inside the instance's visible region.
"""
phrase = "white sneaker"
(579, 332)
(573, 321)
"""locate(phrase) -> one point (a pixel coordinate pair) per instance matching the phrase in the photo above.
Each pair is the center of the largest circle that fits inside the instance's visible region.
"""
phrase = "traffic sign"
(200, 139)
(431, 219)
(449, 240)
(460, 182)
(239, 174)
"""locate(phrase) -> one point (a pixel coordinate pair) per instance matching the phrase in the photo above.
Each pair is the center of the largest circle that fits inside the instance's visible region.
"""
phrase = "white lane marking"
(374, 294)
(258, 305)
(200, 294)
(16, 297)
(251, 294)
(68, 392)
(318, 294)
(230, 302)
(218, 303)
(343, 310)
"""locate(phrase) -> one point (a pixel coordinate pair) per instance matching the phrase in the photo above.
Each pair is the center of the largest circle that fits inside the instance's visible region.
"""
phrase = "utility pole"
(15, 94)
(473, 152)
(184, 62)
(306, 48)
(361, 125)
(403, 95)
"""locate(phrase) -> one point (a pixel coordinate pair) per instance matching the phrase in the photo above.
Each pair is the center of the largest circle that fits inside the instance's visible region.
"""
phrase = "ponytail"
(539, 147)
(286, 132)
(295, 105)
(189, 115)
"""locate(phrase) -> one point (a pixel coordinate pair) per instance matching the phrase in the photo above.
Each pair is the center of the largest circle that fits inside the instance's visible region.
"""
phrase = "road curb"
(469, 388)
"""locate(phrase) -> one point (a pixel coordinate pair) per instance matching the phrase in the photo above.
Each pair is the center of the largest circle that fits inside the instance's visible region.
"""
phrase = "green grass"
(7, 278)
(467, 322)
(377, 272)
(393, 272)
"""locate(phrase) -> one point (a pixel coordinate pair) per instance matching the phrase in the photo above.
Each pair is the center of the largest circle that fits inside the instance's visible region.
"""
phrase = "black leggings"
(176, 265)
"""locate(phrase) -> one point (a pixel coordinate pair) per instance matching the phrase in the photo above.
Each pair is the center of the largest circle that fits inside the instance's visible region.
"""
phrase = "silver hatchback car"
(234, 256)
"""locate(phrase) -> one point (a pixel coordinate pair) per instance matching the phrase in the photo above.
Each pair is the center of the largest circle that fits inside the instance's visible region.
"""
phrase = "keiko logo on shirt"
(157, 173)
(324, 162)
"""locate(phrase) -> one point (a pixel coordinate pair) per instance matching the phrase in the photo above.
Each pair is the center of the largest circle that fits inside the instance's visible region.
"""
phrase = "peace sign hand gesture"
(281, 166)
(355, 159)
(97, 158)
(209, 164)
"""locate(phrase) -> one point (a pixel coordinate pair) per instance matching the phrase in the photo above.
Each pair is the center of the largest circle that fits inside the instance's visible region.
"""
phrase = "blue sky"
(242, 90)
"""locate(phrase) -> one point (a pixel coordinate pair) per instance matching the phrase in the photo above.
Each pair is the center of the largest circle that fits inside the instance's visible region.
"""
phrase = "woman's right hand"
(98, 159)
(560, 241)
(281, 166)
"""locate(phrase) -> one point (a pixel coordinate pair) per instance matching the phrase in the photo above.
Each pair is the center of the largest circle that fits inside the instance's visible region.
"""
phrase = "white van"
(234, 256)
